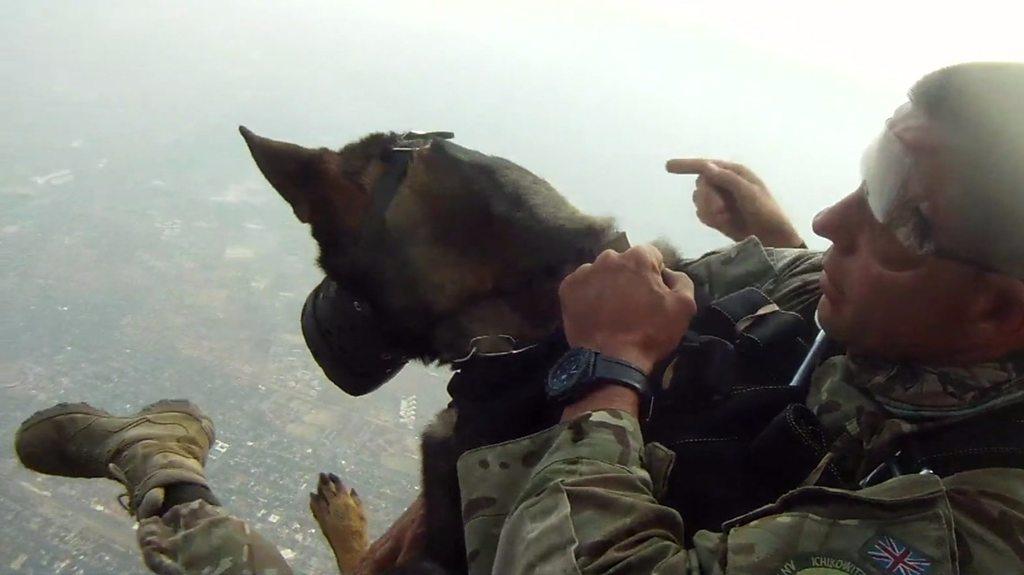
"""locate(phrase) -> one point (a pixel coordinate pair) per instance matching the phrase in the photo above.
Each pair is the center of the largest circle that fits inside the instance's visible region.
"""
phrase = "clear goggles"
(886, 169)
(980, 228)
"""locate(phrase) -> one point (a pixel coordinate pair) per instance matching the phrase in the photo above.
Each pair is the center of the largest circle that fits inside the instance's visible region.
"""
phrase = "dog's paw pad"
(339, 512)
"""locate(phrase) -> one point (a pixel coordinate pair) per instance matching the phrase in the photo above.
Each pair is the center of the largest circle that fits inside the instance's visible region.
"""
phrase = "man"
(923, 287)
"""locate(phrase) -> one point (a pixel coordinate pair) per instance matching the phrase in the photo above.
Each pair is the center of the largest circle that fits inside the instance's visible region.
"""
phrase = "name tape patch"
(820, 564)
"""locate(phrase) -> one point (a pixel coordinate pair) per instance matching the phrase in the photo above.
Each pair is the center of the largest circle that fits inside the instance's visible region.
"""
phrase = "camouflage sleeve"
(788, 276)
(199, 538)
(581, 497)
(988, 512)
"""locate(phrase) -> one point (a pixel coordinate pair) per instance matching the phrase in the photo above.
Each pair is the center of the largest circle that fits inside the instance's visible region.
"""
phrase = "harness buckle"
(506, 340)
(411, 141)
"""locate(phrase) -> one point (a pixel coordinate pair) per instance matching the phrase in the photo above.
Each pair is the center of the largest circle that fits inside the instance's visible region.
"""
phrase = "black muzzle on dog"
(340, 327)
(346, 340)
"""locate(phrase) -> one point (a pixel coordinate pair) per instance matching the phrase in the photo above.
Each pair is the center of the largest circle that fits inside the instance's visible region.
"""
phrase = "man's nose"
(826, 223)
(838, 223)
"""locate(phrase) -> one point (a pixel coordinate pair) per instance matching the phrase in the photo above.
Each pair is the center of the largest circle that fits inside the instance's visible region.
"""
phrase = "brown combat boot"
(163, 444)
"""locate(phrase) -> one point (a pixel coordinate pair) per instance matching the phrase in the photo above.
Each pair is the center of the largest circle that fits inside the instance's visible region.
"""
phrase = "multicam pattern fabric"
(585, 501)
(202, 539)
(922, 391)
(788, 276)
(519, 500)
(868, 405)
(581, 497)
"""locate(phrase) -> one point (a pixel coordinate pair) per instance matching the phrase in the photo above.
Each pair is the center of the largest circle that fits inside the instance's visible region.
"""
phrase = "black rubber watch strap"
(581, 370)
(618, 371)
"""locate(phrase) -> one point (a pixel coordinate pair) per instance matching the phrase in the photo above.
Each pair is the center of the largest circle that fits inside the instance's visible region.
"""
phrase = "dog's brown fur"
(461, 258)
(465, 254)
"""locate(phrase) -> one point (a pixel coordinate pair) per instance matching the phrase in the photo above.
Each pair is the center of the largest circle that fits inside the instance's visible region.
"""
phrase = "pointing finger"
(703, 166)
(727, 179)
(687, 166)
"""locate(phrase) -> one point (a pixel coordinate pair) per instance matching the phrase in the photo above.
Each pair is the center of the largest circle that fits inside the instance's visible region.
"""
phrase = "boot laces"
(117, 474)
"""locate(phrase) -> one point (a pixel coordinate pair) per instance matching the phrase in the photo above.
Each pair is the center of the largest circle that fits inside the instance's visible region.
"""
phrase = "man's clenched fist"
(627, 306)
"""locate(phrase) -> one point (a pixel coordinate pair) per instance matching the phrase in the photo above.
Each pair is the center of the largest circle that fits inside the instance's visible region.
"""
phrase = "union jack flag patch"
(892, 556)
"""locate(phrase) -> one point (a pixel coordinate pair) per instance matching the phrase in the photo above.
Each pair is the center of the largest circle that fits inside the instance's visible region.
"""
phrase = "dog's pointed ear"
(295, 172)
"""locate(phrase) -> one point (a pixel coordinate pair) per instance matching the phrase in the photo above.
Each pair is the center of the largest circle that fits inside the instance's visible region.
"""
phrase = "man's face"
(882, 299)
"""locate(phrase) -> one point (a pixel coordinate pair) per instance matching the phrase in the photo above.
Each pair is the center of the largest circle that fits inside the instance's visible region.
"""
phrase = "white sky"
(794, 89)
(592, 95)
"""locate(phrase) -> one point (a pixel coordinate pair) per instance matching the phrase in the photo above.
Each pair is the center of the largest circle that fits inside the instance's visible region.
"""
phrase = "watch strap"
(611, 370)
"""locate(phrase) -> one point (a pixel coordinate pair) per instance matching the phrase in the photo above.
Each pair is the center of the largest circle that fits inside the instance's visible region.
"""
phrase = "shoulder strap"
(993, 439)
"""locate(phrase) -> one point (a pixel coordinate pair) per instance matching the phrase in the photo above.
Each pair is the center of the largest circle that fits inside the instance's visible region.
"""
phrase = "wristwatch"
(581, 370)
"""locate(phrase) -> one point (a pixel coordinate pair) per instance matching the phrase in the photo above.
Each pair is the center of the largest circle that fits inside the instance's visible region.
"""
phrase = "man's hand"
(627, 306)
(733, 200)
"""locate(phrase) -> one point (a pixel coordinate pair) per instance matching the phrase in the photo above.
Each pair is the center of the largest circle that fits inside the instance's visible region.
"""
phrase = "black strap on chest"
(731, 379)
(730, 383)
(738, 346)
(993, 439)
(502, 396)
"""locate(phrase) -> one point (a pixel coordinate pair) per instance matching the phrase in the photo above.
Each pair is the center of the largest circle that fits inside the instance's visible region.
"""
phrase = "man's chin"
(826, 316)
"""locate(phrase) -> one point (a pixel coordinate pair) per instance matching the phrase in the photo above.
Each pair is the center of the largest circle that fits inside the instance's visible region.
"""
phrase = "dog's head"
(469, 245)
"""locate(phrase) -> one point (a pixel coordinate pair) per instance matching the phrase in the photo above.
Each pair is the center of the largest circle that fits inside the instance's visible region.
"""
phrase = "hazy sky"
(591, 95)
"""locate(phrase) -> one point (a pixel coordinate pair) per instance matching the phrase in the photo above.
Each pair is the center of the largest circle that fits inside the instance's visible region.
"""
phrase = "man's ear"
(997, 310)
(302, 176)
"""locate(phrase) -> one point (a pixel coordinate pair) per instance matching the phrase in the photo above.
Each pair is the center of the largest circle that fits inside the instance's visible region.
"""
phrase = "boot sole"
(52, 464)
(36, 460)
(162, 406)
(61, 409)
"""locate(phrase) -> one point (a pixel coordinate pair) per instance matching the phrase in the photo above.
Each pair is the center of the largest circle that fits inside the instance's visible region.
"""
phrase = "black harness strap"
(399, 157)
(386, 187)
(994, 439)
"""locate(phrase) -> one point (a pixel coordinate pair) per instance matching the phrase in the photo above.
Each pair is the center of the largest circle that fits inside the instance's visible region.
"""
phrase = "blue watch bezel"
(578, 370)
(574, 368)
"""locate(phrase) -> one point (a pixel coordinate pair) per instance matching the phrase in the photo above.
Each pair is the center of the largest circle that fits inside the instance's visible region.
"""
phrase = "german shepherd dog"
(475, 245)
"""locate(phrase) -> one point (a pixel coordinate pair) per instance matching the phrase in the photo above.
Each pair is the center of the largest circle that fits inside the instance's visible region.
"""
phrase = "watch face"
(568, 371)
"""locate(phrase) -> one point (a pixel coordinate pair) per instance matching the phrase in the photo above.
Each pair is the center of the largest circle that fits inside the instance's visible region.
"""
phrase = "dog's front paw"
(339, 513)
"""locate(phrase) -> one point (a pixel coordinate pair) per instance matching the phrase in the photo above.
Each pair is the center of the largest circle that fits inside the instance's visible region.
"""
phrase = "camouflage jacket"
(582, 497)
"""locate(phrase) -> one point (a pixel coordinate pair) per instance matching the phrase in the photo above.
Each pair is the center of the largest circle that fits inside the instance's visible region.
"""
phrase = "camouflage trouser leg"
(203, 539)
